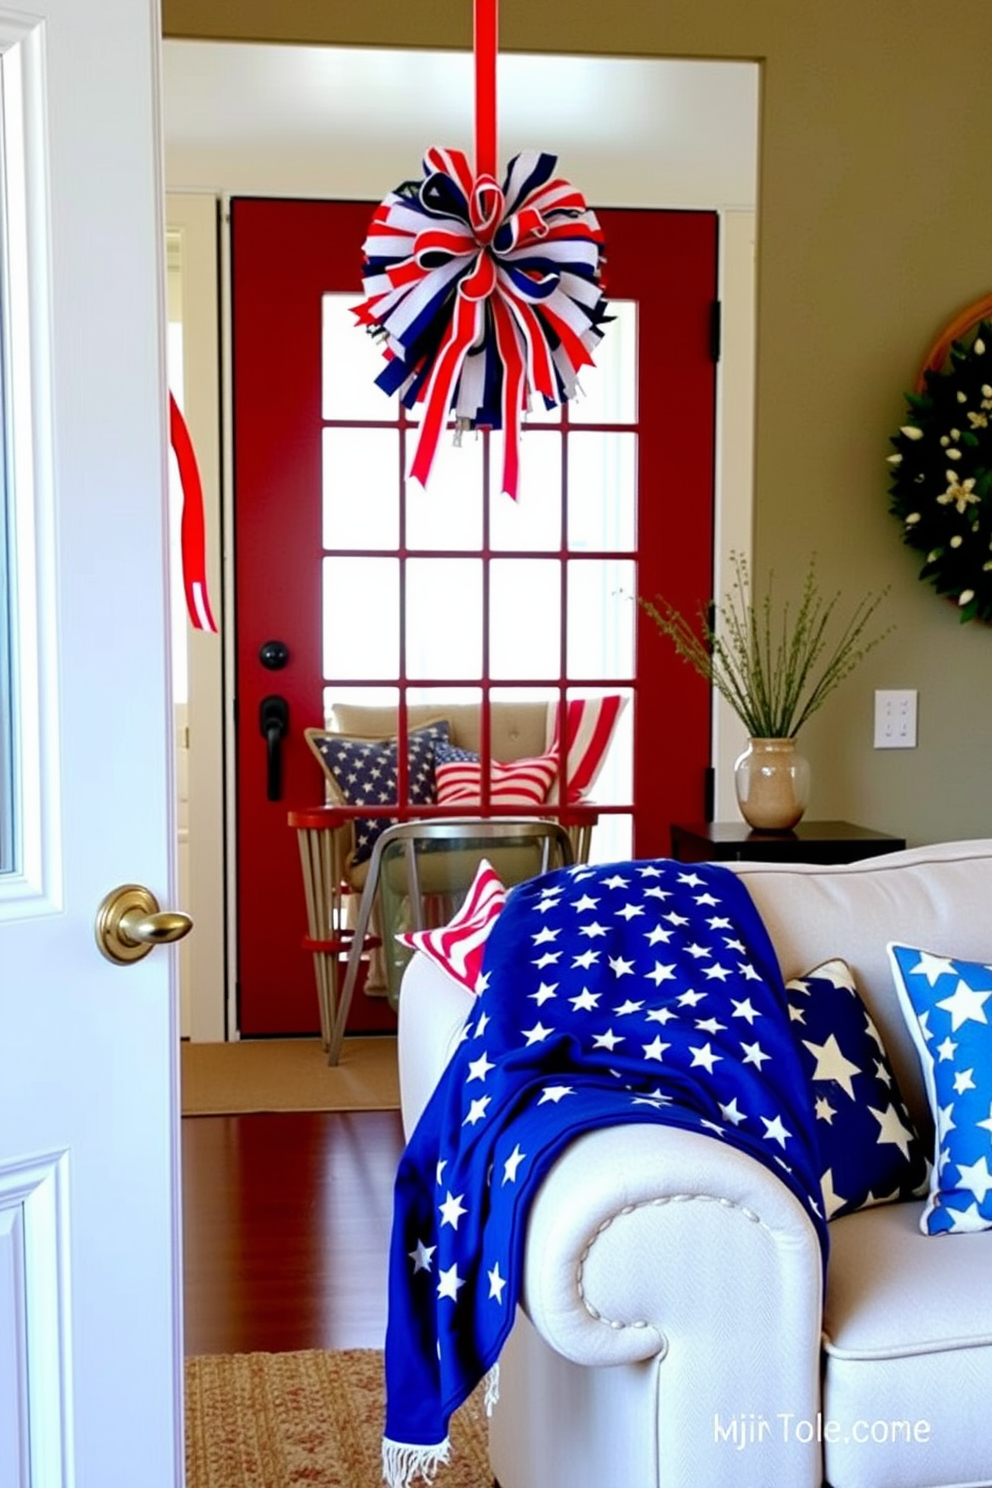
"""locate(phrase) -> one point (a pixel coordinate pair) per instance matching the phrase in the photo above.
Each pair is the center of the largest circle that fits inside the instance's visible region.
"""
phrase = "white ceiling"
(302, 120)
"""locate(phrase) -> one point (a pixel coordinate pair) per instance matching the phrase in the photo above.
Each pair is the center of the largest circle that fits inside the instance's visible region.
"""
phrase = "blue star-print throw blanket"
(626, 992)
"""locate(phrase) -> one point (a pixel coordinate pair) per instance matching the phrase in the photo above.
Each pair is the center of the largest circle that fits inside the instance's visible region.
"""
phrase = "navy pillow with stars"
(364, 772)
(947, 1003)
(869, 1150)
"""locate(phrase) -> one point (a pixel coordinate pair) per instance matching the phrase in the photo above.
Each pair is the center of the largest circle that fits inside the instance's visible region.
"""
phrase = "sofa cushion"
(362, 772)
(947, 1006)
(869, 1150)
(907, 1333)
(458, 947)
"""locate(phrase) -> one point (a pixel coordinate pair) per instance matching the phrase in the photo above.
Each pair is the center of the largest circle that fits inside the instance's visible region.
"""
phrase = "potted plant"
(775, 672)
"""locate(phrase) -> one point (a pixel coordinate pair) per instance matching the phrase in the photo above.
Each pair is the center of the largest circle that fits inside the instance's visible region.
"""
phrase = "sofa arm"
(652, 1243)
(642, 1237)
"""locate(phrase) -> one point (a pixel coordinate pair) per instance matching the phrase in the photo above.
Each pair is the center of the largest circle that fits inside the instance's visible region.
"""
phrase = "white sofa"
(674, 1331)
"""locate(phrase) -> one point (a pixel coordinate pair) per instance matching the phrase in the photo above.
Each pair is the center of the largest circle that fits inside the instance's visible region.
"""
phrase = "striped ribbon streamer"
(193, 535)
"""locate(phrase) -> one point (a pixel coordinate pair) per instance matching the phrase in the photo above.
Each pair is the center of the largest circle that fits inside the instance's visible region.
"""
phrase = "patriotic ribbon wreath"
(483, 293)
(941, 470)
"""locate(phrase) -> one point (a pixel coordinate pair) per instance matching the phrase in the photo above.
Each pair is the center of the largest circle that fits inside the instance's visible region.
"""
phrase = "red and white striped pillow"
(522, 782)
(589, 726)
(458, 947)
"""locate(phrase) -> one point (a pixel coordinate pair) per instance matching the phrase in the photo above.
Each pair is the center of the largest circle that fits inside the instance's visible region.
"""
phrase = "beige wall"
(874, 230)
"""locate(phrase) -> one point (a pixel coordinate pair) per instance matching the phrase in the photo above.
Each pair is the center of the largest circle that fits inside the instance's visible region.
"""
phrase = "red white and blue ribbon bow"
(483, 294)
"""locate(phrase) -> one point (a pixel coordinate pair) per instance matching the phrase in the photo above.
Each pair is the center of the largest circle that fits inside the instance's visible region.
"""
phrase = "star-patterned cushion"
(362, 772)
(458, 946)
(947, 1003)
(869, 1151)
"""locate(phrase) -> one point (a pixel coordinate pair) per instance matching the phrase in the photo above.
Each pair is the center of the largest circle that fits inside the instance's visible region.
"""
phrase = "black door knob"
(274, 655)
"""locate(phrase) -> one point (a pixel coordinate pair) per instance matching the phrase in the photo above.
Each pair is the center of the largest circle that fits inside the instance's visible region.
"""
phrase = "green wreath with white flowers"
(942, 475)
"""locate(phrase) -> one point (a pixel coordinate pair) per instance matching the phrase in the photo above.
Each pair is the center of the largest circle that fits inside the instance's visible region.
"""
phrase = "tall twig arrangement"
(774, 672)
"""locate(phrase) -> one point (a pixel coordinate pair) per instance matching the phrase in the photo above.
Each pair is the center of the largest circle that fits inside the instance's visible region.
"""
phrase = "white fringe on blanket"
(402, 1463)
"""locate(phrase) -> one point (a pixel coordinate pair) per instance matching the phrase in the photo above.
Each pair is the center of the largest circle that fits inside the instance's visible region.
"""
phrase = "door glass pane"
(357, 697)
(525, 618)
(9, 793)
(444, 618)
(459, 705)
(361, 604)
(531, 710)
(532, 523)
(602, 492)
(614, 785)
(608, 391)
(351, 361)
(361, 488)
(441, 701)
(601, 614)
(612, 839)
(447, 513)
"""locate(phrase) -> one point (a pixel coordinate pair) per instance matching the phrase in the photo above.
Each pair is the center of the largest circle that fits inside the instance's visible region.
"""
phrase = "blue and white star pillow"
(362, 772)
(869, 1150)
(948, 1008)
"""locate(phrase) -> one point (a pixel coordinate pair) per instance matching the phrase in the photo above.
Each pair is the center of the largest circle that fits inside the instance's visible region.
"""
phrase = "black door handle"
(273, 722)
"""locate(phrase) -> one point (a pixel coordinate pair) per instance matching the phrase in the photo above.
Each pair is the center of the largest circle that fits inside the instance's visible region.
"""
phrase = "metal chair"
(420, 872)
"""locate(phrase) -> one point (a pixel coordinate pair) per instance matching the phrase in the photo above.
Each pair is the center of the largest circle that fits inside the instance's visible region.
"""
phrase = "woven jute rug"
(289, 1074)
(306, 1420)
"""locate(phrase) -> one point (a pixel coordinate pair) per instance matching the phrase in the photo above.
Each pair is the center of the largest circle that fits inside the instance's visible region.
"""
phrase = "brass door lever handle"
(129, 924)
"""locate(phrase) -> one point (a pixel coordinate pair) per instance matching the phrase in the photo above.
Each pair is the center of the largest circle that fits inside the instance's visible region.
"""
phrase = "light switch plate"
(895, 719)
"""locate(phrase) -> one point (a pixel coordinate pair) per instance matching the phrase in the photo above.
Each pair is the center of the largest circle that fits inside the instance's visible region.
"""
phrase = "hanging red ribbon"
(193, 534)
(486, 32)
(483, 293)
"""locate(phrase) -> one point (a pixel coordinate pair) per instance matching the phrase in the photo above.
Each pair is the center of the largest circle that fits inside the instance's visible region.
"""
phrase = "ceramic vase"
(771, 778)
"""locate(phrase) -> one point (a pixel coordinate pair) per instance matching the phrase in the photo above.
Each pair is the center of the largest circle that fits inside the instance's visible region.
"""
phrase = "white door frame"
(193, 217)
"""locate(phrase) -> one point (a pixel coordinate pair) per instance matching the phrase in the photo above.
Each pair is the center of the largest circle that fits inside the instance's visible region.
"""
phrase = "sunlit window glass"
(608, 390)
(447, 513)
(444, 617)
(361, 618)
(351, 361)
(7, 793)
(602, 492)
(361, 495)
(601, 615)
(532, 522)
(525, 618)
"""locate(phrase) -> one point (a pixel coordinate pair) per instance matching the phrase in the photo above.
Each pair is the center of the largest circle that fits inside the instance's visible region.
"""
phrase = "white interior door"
(90, 1346)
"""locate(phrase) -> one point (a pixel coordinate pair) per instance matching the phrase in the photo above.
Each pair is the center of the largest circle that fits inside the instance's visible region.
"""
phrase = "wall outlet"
(895, 719)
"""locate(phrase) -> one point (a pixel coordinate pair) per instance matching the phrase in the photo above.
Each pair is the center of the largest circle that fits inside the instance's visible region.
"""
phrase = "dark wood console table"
(809, 842)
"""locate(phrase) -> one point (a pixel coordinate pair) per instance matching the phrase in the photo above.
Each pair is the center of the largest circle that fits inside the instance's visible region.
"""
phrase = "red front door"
(651, 430)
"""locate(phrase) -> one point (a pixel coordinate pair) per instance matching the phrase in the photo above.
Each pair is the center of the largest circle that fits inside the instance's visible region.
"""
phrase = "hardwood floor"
(286, 1224)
